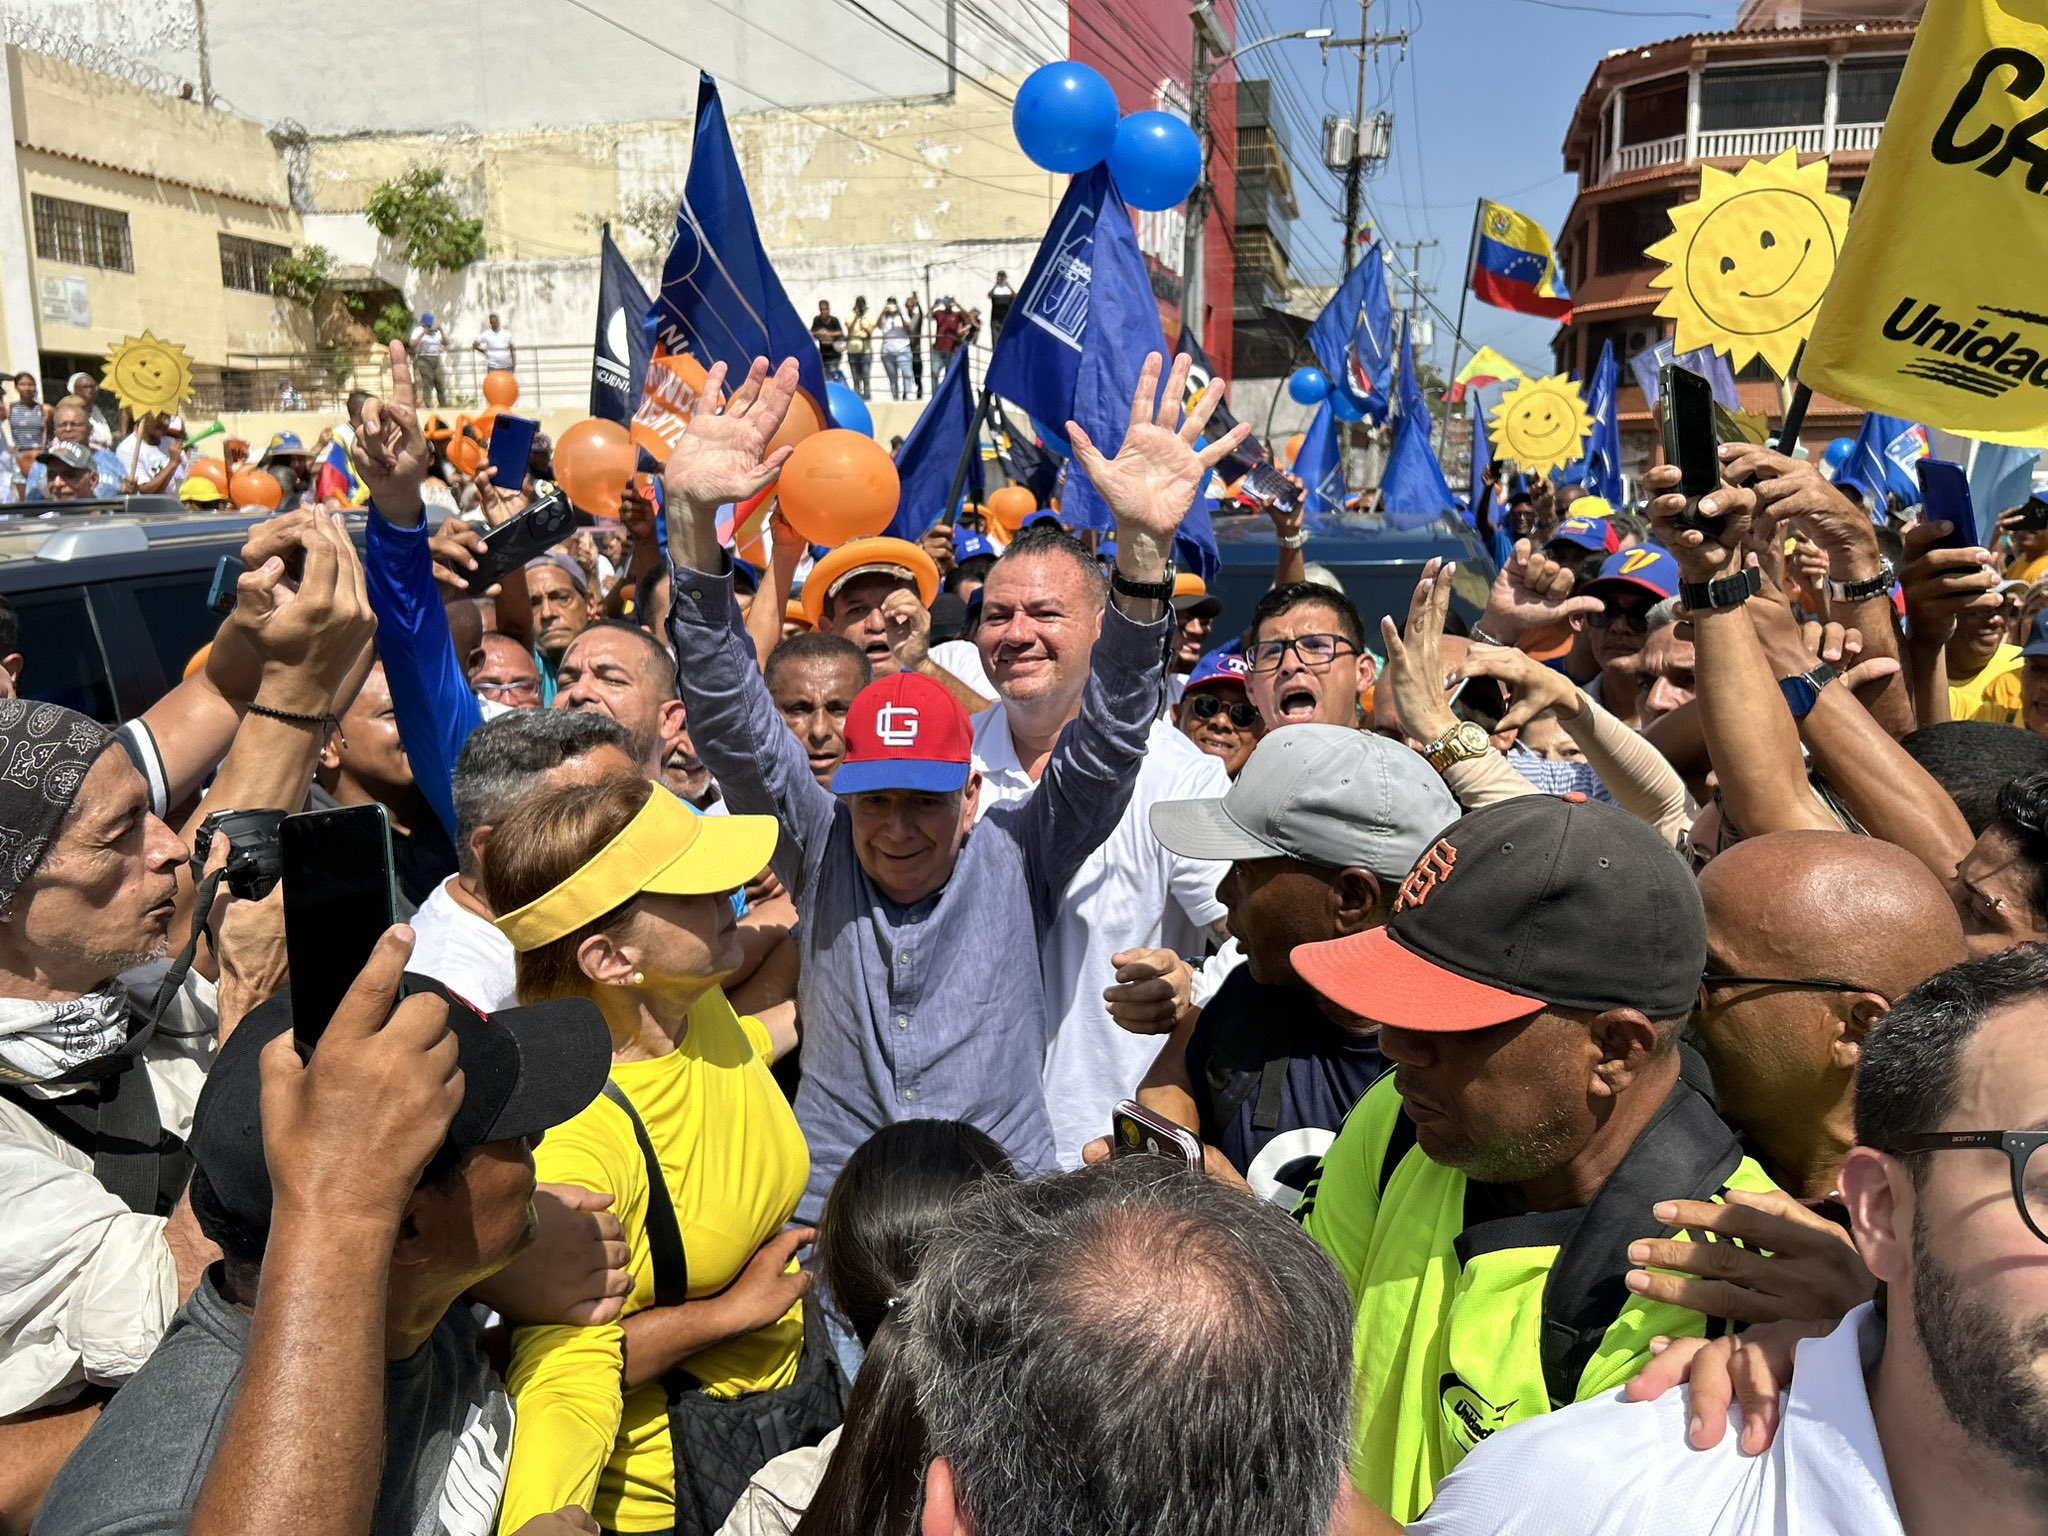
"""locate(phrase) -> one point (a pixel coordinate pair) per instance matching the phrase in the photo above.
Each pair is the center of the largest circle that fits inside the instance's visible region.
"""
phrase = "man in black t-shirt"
(1319, 829)
(829, 333)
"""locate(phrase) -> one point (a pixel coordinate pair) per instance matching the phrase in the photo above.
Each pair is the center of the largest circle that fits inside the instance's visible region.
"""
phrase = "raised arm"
(758, 763)
(1751, 736)
(1149, 487)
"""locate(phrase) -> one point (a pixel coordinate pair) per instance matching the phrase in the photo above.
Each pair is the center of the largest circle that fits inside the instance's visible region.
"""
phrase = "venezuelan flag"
(1514, 267)
(335, 477)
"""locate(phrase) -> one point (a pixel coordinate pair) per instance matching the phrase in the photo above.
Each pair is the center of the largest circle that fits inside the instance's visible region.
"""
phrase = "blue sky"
(1480, 106)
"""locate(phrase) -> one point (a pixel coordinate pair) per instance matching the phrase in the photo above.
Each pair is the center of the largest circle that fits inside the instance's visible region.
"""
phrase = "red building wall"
(1145, 48)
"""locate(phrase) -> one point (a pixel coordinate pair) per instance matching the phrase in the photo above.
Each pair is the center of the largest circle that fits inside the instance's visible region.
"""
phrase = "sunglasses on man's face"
(1207, 706)
(1636, 620)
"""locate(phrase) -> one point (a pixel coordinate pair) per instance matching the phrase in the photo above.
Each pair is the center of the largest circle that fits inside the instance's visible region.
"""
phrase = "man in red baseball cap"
(1530, 984)
(921, 993)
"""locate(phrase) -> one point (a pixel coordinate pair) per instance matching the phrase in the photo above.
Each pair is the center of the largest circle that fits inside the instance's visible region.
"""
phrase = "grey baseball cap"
(1323, 794)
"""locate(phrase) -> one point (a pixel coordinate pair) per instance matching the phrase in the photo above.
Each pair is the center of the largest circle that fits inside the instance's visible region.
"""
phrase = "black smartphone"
(1270, 487)
(2033, 516)
(1945, 498)
(1134, 1128)
(220, 592)
(510, 545)
(340, 895)
(511, 446)
(1691, 442)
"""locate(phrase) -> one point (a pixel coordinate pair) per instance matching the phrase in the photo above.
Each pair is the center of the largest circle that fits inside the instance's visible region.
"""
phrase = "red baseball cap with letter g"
(905, 732)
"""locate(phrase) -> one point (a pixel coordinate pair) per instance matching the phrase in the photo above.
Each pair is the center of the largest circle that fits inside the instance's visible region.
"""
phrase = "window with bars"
(1865, 88)
(1783, 96)
(81, 234)
(1653, 111)
(245, 264)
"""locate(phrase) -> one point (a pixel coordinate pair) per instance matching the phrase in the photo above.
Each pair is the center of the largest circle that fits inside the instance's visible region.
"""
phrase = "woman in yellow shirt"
(616, 892)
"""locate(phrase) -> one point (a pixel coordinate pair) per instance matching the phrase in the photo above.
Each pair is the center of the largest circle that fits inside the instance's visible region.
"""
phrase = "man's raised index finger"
(401, 376)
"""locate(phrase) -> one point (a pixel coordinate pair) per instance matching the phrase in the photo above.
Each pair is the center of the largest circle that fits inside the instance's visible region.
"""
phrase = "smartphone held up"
(1136, 1130)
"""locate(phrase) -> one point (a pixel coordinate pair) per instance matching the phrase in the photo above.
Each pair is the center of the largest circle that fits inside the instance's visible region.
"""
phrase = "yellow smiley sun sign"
(1748, 262)
(1541, 423)
(148, 374)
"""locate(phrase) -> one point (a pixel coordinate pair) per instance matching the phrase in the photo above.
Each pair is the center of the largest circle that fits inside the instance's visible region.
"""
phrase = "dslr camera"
(254, 863)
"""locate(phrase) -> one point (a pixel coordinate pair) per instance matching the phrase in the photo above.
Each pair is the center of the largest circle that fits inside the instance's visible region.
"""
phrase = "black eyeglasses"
(1713, 980)
(1636, 619)
(1207, 706)
(2022, 1150)
(1316, 652)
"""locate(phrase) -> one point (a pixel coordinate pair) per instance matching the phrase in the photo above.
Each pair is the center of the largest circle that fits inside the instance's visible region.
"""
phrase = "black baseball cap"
(1540, 901)
(524, 1070)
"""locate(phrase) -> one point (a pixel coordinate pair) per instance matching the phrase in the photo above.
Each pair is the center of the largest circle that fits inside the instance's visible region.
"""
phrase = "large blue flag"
(618, 368)
(1353, 338)
(1600, 470)
(720, 300)
(1648, 367)
(930, 457)
(1413, 490)
(1882, 462)
(1076, 338)
(1319, 465)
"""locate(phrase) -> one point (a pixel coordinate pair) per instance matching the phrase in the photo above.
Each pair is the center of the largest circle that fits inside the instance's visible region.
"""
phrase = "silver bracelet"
(1481, 637)
(1292, 540)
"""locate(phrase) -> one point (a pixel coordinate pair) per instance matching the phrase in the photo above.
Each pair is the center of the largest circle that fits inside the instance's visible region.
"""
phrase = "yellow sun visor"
(667, 849)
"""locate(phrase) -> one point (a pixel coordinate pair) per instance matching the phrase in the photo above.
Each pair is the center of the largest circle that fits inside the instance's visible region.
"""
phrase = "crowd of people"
(1563, 1018)
(899, 335)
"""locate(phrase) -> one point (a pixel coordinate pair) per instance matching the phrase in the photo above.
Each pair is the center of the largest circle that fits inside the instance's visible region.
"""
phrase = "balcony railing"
(1741, 144)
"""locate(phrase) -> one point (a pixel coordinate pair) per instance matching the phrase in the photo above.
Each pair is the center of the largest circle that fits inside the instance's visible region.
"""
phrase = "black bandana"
(45, 752)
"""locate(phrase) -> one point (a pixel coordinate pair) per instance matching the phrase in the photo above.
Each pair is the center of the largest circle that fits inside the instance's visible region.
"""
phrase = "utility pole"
(1354, 170)
(1212, 46)
(1415, 285)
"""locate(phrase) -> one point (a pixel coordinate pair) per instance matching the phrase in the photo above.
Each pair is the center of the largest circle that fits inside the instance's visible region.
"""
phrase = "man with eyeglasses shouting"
(1307, 657)
(1926, 1415)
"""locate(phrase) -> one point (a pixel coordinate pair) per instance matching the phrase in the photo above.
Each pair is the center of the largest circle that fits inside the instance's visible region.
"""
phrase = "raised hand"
(1533, 689)
(310, 631)
(390, 450)
(1531, 591)
(724, 456)
(1151, 483)
(1790, 489)
(1153, 989)
(1941, 583)
(1701, 555)
(907, 626)
(1415, 662)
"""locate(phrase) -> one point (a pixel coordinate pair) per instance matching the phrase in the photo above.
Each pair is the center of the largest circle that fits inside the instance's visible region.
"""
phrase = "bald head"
(1829, 904)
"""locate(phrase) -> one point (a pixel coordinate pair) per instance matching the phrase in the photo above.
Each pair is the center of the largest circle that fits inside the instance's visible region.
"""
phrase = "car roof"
(40, 550)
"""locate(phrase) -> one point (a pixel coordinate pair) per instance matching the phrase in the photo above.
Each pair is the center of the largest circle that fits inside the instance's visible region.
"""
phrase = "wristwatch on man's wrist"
(1160, 591)
(1460, 743)
(1869, 587)
(1723, 592)
(1803, 691)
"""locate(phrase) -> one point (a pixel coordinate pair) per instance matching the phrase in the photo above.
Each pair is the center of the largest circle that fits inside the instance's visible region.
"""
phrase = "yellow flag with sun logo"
(1939, 311)
(1747, 261)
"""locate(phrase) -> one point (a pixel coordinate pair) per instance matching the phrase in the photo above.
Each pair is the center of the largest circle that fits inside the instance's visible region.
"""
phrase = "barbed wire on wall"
(36, 34)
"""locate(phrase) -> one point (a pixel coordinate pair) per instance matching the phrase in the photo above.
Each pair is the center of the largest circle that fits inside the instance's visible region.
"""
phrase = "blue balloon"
(848, 409)
(1307, 386)
(1065, 117)
(1156, 160)
(1054, 442)
(1342, 408)
(1837, 451)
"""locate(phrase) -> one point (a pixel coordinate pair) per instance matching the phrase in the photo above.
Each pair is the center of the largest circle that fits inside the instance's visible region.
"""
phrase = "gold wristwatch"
(1459, 744)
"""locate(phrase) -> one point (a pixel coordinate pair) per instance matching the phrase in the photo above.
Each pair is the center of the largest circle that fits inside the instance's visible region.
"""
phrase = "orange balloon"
(594, 463)
(501, 388)
(254, 488)
(803, 421)
(212, 470)
(838, 485)
(1293, 446)
(1008, 507)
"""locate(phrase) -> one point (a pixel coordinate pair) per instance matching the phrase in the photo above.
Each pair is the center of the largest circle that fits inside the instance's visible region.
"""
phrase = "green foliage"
(651, 216)
(421, 215)
(393, 323)
(301, 275)
(339, 367)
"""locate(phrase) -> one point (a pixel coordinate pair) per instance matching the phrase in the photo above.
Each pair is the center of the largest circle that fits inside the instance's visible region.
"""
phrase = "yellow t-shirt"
(1993, 694)
(735, 1164)
(2029, 571)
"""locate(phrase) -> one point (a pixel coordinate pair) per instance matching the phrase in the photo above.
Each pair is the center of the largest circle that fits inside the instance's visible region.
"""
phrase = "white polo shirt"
(1612, 1466)
(1130, 894)
(464, 952)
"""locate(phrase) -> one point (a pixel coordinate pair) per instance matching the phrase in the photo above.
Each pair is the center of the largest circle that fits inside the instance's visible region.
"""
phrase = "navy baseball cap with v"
(1542, 901)
(905, 732)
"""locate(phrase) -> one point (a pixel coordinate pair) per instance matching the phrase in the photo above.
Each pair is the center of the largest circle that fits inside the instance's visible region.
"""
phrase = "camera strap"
(180, 968)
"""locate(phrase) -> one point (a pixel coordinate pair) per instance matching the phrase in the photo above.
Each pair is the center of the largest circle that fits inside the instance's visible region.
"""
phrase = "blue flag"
(1413, 491)
(720, 300)
(1353, 338)
(2001, 478)
(1882, 462)
(1028, 464)
(1076, 337)
(1201, 369)
(1600, 470)
(930, 457)
(1648, 367)
(1482, 456)
(618, 367)
(1319, 465)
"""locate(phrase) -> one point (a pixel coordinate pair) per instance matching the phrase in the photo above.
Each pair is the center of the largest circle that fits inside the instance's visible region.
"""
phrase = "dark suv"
(112, 597)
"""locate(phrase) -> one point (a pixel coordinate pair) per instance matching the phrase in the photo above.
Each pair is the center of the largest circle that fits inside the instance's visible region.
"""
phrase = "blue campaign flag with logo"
(1353, 338)
(930, 457)
(1319, 465)
(1413, 490)
(1882, 462)
(618, 368)
(720, 300)
(1076, 337)
(1600, 470)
